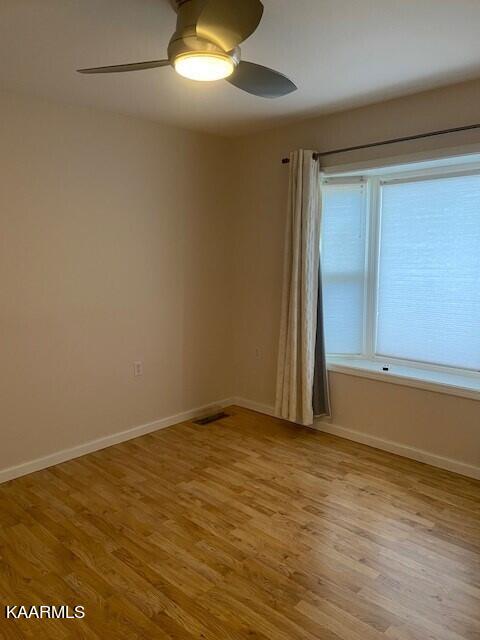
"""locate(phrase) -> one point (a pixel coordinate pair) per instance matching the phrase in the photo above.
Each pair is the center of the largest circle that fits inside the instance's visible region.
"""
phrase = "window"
(343, 267)
(401, 269)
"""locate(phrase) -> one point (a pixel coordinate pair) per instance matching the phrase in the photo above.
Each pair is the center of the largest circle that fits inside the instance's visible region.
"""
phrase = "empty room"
(240, 320)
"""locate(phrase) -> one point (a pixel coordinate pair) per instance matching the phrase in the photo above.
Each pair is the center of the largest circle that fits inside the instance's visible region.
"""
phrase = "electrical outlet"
(138, 368)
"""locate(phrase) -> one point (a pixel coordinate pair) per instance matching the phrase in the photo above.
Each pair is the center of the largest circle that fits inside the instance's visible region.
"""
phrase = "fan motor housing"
(185, 39)
(177, 3)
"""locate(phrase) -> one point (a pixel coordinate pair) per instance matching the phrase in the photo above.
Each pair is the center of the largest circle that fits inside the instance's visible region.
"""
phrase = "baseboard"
(254, 406)
(420, 455)
(101, 443)
(349, 434)
(406, 451)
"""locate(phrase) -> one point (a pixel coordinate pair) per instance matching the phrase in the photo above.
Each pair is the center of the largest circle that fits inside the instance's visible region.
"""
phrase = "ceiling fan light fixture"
(205, 47)
(204, 66)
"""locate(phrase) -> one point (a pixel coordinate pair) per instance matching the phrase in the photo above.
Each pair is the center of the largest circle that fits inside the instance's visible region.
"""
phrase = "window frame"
(374, 180)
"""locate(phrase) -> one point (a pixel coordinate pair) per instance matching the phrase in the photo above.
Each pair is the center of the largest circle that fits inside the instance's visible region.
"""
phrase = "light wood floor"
(246, 529)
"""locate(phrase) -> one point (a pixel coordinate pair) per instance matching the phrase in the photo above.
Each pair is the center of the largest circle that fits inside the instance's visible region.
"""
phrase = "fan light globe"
(204, 67)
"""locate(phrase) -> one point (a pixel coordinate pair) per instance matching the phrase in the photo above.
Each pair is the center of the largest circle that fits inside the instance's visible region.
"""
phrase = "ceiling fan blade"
(134, 66)
(227, 23)
(261, 81)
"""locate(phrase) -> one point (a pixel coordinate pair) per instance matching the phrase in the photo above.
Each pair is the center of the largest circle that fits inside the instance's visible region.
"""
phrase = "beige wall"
(444, 425)
(124, 240)
(112, 250)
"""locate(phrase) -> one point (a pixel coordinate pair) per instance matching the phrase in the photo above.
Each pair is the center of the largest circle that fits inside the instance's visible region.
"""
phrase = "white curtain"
(298, 330)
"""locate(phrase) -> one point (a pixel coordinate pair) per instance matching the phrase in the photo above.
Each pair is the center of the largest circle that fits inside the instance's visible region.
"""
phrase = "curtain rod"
(382, 143)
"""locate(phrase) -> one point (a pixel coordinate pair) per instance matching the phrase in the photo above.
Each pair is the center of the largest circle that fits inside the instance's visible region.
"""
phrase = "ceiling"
(340, 53)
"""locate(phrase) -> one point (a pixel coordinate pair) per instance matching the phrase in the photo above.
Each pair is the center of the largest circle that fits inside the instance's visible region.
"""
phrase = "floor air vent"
(213, 418)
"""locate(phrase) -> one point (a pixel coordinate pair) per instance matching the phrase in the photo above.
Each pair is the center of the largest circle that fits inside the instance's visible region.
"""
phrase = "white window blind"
(343, 267)
(428, 300)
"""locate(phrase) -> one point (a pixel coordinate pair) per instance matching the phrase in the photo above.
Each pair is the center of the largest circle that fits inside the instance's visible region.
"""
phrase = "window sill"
(464, 385)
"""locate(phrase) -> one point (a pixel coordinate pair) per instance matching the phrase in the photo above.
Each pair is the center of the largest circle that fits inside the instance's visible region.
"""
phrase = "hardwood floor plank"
(249, 528)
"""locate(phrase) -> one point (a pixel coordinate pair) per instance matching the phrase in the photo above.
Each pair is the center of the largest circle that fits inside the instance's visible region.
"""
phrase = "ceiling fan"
(205, 47)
